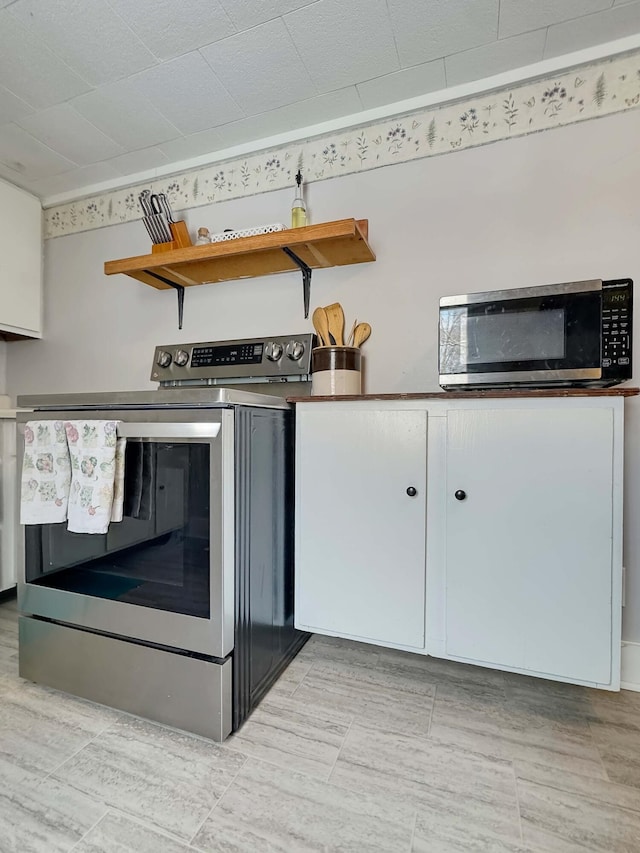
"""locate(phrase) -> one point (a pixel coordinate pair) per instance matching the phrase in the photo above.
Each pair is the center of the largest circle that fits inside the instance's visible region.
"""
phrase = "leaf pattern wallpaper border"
(586, 92)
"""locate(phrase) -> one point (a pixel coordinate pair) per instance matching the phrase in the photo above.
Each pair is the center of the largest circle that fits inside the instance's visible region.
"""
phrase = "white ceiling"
(97, 90)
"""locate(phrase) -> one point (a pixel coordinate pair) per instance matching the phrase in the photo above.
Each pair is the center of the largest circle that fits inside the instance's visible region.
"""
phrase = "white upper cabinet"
(20, 262)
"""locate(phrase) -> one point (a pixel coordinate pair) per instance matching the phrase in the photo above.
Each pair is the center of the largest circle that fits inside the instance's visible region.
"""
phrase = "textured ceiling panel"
(195, 145)
(344, 43)
(170, 29)
(408, 83)
(15, 177)
(249, 13)
(75, 180)
(70, 134)
(428, 29)
(594, 29)
(87, 35)
(12, 107)
(139, 161)
(188, 93)
(21, 152)
(30, 70)
(493, 58)
(519, 16)
(261, 68)
(301, 114)
(125, 116)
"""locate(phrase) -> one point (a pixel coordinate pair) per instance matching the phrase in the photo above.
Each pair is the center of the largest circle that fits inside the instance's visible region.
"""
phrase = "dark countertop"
(480, 395)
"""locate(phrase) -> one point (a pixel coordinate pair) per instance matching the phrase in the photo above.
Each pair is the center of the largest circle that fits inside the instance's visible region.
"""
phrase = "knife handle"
(145, 204)
(166, 207)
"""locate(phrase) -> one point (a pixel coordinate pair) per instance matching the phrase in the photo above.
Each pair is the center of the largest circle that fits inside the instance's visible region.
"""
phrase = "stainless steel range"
(183, 611)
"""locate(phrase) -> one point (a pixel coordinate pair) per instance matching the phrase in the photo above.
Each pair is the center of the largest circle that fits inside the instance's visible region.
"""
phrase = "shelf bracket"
(179, 288)
(306, 277)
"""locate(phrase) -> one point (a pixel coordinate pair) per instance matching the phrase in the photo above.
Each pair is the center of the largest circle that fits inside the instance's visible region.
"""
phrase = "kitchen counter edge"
(477, 395)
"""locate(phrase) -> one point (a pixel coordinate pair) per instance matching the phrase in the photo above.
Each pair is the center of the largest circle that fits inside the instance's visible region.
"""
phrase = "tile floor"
(356, 749)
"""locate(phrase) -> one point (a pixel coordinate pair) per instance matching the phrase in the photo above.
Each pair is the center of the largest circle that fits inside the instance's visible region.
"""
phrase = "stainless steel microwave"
(574, 334)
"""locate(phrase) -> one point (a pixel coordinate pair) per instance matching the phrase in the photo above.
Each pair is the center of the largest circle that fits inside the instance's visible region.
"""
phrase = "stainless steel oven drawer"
(181, 691)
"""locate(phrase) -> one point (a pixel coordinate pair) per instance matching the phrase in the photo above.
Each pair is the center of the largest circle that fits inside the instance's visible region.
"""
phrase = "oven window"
(158, 556)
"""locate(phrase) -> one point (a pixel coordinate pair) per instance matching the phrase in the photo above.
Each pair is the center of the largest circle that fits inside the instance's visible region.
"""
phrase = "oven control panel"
(272, 359)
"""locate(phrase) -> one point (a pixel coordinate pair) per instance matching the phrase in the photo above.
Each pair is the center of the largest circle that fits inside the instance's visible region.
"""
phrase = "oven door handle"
(157, 431)
(160, 430)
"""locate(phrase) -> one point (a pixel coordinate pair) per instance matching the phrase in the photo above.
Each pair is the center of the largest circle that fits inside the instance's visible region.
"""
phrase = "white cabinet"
(360, 522)
(521, 571)
(8, 501)
(20, 262)
(529, 527)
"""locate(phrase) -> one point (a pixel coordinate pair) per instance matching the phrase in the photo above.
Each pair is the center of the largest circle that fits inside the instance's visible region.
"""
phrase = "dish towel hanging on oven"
(97, 475)
(46, 473)
(73, 470)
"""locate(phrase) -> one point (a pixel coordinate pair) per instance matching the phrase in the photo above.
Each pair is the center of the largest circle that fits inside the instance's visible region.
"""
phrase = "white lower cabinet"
(528, 547)
(360, 523)
(514, 561)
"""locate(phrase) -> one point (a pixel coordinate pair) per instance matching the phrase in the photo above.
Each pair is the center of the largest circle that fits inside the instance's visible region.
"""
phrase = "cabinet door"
(21, 253)
(360, 538)
(529, 565)
(8, 508)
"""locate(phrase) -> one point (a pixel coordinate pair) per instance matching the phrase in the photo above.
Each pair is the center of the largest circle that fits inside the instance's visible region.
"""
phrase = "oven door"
(523, 336)
(165, 574)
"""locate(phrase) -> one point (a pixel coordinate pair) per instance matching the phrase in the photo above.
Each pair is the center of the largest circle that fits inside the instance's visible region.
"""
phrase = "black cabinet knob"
(460, 495)
(412, 491)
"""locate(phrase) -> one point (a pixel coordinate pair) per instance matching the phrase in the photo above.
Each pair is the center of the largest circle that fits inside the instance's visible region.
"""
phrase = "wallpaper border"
(584, 92)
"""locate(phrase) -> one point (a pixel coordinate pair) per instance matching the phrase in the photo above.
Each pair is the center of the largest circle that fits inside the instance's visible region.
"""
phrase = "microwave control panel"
(617, 299)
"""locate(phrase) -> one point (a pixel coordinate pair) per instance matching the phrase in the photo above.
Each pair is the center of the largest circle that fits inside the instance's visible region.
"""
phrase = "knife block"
(181, 238)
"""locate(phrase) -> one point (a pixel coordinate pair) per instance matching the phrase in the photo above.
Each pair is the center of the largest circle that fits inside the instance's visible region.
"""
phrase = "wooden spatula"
(335, 318)
(321, 325)
(361, 334)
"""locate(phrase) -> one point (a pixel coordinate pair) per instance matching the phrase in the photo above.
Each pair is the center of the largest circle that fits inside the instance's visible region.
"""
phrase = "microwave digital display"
(514, 336)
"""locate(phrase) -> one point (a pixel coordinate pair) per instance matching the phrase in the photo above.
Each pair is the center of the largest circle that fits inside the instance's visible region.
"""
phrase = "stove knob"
(181, 357)
(273, 351)
(295, 350)
(163, 359)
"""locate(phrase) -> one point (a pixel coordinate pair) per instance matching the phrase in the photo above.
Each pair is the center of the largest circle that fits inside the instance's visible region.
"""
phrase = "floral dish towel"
(94, 480)
(46, 473)
(117, 510)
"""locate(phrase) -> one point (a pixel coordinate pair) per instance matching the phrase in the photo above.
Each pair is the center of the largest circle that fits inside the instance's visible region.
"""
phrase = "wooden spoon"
(350, 338)
(361, 334)
(321, 325)
(335, 317)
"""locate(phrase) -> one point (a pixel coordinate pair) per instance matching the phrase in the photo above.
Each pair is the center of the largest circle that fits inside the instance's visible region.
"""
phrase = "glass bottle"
(298, 209)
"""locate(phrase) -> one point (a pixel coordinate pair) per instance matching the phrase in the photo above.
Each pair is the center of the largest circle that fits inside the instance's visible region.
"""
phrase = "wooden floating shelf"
(329, 244)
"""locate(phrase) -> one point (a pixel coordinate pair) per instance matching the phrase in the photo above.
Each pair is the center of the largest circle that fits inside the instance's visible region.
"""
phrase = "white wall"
(554, 206)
